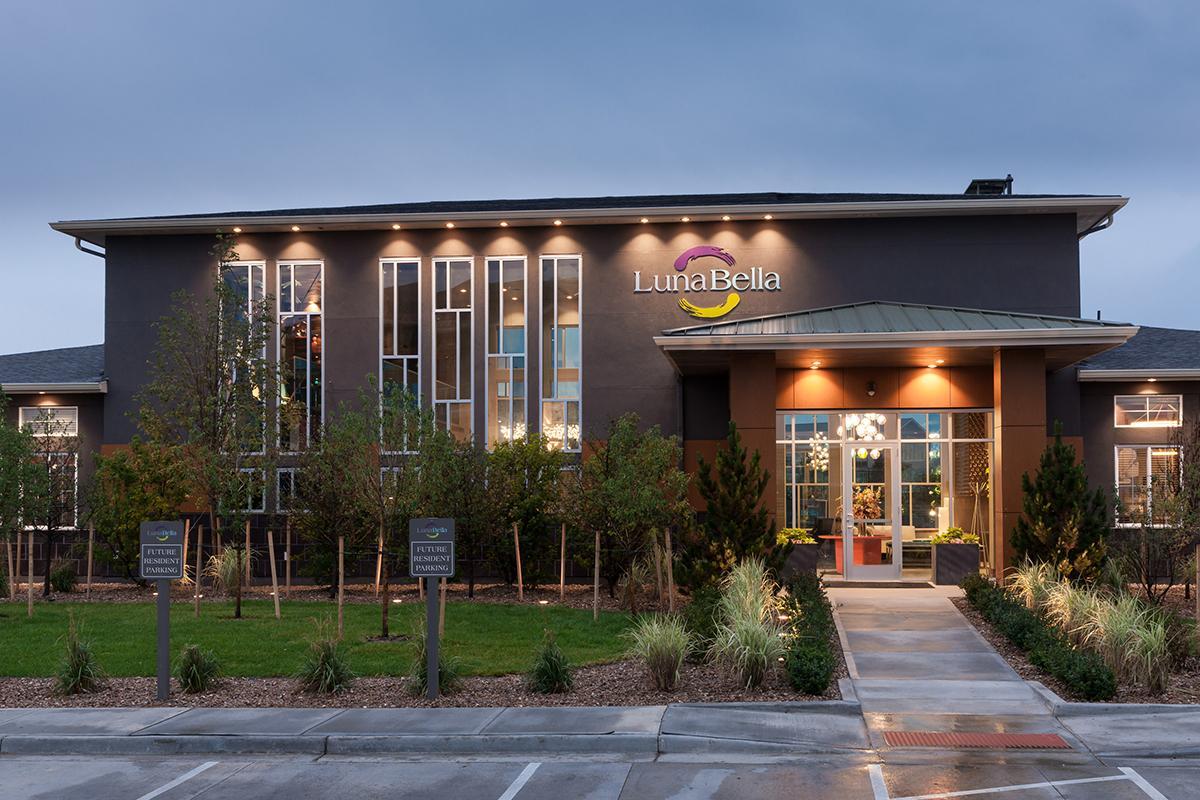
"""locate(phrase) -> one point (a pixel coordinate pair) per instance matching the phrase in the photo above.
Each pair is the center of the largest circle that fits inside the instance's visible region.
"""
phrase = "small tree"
(523, 487)
(734, 525)
(629, 489)
(18, 470)
(50, 496)
(129, 487)
(208, 390)
(457, 473)
(1063, 522)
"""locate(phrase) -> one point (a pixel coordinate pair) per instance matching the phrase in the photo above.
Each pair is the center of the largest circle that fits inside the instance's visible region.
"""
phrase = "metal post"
(164, 639)
(431, 638)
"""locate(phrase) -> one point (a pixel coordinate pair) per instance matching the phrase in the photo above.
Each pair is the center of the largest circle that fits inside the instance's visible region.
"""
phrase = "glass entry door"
(871, 545)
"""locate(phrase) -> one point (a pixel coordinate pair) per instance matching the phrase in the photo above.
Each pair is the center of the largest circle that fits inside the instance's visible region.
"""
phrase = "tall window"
(921, 480)
(247, 280)
(301, 296)
(49, 420)
(453, 293)
(506, 311)
(56, 430)
(400, 315)
(1144, 473)
(562, 351)
(1148, 410)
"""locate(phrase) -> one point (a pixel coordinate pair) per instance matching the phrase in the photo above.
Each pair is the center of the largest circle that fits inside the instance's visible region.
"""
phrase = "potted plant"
(803, 556)
(955, 556)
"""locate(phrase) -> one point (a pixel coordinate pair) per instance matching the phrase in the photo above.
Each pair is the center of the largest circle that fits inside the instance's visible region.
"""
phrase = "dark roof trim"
(1089, 210)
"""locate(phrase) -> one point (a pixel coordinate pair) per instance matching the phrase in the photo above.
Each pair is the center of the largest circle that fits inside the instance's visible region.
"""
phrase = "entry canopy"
(880, 333)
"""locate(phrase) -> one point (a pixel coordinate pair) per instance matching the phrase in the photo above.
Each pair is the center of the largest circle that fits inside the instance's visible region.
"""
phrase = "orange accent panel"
(971, 387)
(817, 388)
(750, 375)
(924, 388)
(854, 387)
(785, 388)
(692, 450)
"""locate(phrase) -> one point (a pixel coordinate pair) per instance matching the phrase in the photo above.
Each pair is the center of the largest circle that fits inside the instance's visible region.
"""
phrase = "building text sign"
(162, 550)
(718, 279)
(431, 547)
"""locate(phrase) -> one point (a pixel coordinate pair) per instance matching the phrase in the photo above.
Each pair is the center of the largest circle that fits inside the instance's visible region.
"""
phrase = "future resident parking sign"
(431, 547)
(162, 550)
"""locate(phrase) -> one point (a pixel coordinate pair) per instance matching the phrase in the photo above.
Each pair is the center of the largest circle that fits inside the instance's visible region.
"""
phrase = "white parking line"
(166, 787)
(879, 788)
(520, 781)
(1143, 784)
(877, 784)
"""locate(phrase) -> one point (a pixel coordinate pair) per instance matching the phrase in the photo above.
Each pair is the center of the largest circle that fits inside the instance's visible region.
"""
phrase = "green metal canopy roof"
(879, 317)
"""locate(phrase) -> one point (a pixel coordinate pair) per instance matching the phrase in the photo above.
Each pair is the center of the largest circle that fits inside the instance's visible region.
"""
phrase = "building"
(901, 360)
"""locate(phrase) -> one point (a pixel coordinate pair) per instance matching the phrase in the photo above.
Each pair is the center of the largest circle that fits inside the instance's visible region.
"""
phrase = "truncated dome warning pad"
(987, 741)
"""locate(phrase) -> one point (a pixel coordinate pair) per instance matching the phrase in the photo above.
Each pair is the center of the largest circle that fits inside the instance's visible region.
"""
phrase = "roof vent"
(990, 186)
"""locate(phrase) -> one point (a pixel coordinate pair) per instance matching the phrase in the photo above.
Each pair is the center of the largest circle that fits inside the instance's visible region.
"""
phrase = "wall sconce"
(870, 388)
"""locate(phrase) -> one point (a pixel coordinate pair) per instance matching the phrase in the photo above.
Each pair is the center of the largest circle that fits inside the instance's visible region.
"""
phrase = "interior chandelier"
(867, 427)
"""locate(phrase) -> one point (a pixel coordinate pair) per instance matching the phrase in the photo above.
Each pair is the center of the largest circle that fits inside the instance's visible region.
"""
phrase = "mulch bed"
(624, 683)
(576, 595)
(1184, 686)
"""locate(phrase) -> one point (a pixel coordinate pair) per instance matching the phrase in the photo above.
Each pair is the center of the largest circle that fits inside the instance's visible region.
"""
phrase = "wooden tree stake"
(341, 579)
(520, 580)
(247, 554)
(87, 593)
(562, 565)
(29, 573)
(596, 581)
(421, 589)
(379, 561)
(274, 578)
(287, 559)
(17, 565)
(187, 529)
(199, 568)
(12, 576)
(670, 573)
(658, 576)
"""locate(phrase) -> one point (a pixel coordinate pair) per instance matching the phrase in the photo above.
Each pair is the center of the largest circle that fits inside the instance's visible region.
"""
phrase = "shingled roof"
(64, 366)
(1149, 350)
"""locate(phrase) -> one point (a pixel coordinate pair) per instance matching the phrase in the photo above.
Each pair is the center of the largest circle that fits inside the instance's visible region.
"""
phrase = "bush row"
(1083, 672)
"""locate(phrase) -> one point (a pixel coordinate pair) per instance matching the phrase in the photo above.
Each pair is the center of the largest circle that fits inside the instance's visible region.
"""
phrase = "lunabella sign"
(717, 279)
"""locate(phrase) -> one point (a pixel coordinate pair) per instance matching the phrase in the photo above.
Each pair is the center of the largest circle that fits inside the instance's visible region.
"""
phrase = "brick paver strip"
(989, 741)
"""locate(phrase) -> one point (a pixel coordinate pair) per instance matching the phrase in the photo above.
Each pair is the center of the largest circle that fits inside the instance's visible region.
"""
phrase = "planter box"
(953, 562)
(802, 560)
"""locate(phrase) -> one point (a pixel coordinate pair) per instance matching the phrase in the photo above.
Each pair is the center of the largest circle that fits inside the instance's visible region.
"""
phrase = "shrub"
(748, 649)
(748, 592)
(701, 617)
(551, 672)
(78, 672)
(197, 670)
(1032, 582)
(661, 643)
(448, 668)
(62, 576)
(794, 536)
(809, 666)
(226, 568)
(4, 583)
(325, 670)
(955, 535)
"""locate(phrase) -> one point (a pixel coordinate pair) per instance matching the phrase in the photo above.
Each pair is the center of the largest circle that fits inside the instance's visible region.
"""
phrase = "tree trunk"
(562, 565)
(385, 596)
(670, 572)
(46, 560)
(237, 583)
(199, 567)
(596, 581)
(274, 578)
(378, 560)
(471, 576)
(658, 576)
(287, 559)
(520, 580)
(12, 576)
(341, 566)
(87, 593)
(249, 576)
(29, 577)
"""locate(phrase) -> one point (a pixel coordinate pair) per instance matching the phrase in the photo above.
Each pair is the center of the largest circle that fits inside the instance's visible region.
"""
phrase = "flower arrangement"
(955, 535)
(794, 536)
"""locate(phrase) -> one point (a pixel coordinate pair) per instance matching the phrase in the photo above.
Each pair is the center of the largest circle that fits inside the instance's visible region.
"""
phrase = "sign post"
(431, 556)
(162, 561)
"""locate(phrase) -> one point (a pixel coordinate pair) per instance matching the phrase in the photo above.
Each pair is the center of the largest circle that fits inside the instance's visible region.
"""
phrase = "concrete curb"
(676, 744)
(1066, 708)
(34, 745)
(628, 744)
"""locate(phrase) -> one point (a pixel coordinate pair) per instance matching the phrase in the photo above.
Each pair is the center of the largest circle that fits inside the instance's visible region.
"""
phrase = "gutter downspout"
(1099, 226)
(79, 246)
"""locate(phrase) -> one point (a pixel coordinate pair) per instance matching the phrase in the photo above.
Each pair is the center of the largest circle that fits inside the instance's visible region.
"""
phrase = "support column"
(1019, 396)
(752, 407)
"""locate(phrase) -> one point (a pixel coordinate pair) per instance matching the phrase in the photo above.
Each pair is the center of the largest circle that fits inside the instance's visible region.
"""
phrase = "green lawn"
(488, 639)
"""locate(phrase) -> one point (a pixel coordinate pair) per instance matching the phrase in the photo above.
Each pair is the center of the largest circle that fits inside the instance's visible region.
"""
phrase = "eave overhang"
(84, 387)
(1086, 375)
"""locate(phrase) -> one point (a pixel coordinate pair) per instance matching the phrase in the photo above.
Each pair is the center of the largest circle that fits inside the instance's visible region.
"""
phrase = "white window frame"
(250, 266)
(1145, 398)
(383, 262)
(32, 424)
(542, 399)
(487, 310)
(279, 316)
(262, 473)
(470, 309)
(1147, 465)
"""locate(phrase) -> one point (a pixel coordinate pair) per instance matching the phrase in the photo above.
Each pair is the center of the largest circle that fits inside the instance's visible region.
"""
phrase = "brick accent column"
(1019, 396)
(752, 407)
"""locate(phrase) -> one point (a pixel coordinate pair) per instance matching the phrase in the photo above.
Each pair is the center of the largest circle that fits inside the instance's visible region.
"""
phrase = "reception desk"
(867, 550)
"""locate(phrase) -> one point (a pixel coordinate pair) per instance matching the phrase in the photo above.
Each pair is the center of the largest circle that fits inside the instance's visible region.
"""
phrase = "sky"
(158, 107)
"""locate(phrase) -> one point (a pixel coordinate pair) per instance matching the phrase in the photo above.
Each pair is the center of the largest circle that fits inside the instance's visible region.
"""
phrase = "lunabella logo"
(715, 280)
